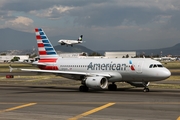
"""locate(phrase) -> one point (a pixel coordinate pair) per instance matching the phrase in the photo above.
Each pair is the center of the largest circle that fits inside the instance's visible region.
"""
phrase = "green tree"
(95, 54)
(15, 59)
(3, 54)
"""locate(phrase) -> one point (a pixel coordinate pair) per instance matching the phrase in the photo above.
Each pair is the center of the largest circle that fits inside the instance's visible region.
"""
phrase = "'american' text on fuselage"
(106, 66)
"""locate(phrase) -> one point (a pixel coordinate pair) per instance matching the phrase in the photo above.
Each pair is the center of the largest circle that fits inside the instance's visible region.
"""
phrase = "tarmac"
(57, 98)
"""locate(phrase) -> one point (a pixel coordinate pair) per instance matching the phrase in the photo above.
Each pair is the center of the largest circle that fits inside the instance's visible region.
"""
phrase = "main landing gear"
(83, 88)
(112, 87)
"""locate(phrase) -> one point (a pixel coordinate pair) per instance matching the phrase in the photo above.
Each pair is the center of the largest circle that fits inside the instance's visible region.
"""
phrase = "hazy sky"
(105, 24)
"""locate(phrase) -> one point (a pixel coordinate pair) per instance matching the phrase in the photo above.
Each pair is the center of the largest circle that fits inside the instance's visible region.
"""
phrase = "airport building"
(25, 58)
(73, 55)
(131, 54)
(8, 58)
(107, 55)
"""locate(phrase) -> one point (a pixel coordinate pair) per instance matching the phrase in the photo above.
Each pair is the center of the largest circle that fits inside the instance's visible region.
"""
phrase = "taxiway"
(45, 102)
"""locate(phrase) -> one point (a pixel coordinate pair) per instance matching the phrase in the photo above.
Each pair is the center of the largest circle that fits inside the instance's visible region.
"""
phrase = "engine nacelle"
(62, 43)
(96, 82)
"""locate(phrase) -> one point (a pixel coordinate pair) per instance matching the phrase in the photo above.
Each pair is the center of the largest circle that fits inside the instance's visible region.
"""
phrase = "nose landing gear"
(146, 89)
(146, 84)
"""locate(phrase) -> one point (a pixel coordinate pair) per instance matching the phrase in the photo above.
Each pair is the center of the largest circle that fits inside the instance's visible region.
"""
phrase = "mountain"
(174, 50)
(24, 42)
(16, 40)
(13, 41)
(74, 49)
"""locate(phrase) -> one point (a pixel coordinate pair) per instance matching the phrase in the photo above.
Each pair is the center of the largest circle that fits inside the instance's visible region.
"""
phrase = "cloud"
(20, 20)
(121, 21)
(96, 12)
(53, 12)
(20, 23)
(3, 2)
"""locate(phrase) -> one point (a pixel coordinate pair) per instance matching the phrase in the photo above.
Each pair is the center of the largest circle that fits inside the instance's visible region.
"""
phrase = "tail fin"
(47, 52)
(80, 38)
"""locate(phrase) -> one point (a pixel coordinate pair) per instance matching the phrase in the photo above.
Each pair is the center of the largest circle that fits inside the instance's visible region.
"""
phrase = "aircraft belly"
(115, 77)
(134, 77)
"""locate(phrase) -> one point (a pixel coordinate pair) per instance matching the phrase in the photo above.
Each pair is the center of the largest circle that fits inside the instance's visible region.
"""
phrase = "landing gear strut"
(83, 87)
(112, 87)
(146, 89)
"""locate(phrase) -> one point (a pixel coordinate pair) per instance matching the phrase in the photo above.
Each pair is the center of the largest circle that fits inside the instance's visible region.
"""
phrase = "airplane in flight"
(98, 73)
(71, 42)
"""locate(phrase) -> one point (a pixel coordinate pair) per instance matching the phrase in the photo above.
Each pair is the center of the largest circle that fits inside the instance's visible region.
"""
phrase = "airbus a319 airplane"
(71, 42)
(100, 72)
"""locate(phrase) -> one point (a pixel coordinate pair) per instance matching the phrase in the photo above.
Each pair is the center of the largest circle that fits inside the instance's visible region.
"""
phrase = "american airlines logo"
(131, 65)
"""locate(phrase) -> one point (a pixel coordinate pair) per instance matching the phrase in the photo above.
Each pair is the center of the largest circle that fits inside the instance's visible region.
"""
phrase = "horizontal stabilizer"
(36, 63)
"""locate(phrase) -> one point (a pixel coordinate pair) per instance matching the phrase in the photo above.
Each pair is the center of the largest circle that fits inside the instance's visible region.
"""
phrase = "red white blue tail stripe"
(46, 51)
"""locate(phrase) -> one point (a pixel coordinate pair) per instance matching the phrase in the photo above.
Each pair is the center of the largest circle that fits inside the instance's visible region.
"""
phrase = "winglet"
(10, 68)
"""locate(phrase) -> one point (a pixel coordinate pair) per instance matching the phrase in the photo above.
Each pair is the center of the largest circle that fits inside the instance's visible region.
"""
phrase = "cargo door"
(139, 66)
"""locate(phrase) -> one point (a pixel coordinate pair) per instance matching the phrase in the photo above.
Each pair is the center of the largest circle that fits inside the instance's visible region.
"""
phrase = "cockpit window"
(151, 66)
(155, 66)
(159, 65)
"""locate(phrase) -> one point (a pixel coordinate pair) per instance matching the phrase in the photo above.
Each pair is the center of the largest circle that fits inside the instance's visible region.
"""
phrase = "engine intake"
(96, 82)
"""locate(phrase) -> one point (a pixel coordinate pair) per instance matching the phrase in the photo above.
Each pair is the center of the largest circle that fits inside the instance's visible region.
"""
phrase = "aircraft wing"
(68, 43)
(62, 42)
(67, 72)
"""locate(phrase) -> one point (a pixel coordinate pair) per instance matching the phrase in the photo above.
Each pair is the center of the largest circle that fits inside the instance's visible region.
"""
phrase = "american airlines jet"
(98, 73)
(71, 42)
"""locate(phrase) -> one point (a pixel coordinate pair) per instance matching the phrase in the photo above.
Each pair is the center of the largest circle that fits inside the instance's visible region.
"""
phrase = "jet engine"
(96, 82)
(62, 43)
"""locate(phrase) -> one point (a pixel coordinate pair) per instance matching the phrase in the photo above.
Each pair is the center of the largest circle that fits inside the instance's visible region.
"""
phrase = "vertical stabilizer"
(80, 38)
(47, 52)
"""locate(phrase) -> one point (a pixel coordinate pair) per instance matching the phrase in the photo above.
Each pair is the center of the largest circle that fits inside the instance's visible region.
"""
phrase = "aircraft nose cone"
(166, 73)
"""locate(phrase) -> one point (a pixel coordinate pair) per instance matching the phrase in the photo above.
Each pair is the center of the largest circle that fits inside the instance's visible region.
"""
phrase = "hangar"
(131, 54)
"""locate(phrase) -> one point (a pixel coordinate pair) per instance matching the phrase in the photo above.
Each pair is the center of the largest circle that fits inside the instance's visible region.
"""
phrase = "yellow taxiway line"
(91, 111)
(178, 118)
(17, 107)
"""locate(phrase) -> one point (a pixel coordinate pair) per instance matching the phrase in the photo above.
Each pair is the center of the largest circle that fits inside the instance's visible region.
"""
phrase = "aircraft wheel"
(146, 90)
(112, 87)
(83, 88)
